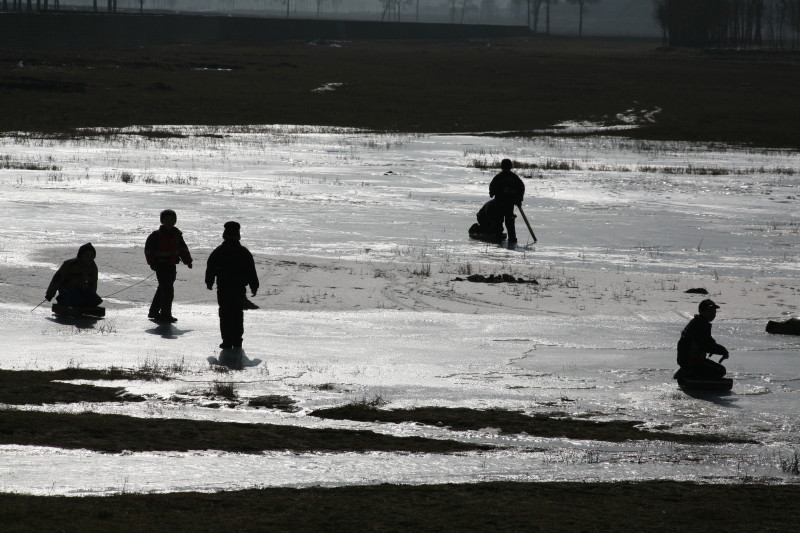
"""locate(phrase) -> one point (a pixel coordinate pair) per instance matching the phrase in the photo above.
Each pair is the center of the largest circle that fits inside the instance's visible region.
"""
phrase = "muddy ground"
(410, 86)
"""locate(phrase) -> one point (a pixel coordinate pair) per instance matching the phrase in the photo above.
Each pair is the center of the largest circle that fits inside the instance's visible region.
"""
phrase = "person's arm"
(211, 270)
(183, 251)
(718, 349)
(252, 274)
(93, 273)
(150, 246)
(55, 283)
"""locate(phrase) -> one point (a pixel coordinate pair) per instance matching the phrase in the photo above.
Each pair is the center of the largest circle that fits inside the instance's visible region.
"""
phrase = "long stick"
(34, 309)
(521, 212)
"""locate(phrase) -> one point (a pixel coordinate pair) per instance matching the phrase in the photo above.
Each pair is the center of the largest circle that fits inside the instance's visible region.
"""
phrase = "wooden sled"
(77, 312)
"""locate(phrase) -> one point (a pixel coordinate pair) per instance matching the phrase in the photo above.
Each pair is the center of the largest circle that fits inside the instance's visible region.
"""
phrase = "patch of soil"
(116, 433)
(274, 401)
(655, 506)
(410, 86)
(29, 387)
(541, 425)
(497, 278)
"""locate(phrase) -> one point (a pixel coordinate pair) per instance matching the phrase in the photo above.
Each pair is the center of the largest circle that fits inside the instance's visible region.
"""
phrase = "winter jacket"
(166, 246)
(232, 265)
(73, 274)
(490, 216)
(696, 342)
(507, 188)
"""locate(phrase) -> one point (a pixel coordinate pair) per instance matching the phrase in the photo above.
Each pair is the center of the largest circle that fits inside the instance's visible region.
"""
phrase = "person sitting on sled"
(507, 188)
(696, 344)
(76, 280)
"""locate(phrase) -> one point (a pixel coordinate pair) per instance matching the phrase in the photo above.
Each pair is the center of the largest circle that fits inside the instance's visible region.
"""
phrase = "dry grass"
(415, 86)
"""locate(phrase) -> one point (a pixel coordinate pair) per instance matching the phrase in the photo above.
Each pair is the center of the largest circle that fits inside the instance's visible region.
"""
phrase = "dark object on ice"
(76, 280)
(508, 190)
(248, 305)
(163, 249)
(696, 291)
(77, 312)
(687, 382)
(497, 278)
(787, 327)
(231, 266)
(696, 345)
(490, 222)
(479, 233)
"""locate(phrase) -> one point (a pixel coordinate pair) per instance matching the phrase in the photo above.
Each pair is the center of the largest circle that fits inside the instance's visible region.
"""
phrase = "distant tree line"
(533, 13)
(729, 23)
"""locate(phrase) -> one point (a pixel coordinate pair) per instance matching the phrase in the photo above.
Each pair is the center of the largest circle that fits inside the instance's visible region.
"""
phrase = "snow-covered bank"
(358, 239)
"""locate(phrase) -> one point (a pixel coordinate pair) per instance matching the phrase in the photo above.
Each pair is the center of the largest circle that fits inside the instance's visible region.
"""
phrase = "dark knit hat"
(232, 231)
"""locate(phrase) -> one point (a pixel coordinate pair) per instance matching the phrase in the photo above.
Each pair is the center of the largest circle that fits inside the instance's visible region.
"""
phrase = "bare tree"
(581, 10)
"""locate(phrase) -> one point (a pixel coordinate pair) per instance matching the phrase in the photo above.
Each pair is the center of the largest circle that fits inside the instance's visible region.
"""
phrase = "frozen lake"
(359, 238)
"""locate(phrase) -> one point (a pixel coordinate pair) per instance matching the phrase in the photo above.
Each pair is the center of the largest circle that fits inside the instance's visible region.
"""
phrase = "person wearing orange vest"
(164, 249)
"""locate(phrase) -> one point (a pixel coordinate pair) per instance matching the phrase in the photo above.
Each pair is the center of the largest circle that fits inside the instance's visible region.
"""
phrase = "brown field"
(412, 86)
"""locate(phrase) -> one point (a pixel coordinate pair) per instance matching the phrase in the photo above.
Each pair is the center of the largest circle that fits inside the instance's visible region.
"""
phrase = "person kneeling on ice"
(76, 280)
(233, 268)
(490, 220)
(696, 344)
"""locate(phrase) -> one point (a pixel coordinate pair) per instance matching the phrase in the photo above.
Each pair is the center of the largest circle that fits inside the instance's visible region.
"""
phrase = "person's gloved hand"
(153, 268)
(210, 286)
(254, 291)
(48, 297)
(189, 265)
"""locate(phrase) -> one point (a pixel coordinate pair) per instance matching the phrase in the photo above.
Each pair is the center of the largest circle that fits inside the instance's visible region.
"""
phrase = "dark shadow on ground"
(233, 359)
(29, 387)
(722, 398)
(554, 425)
(167, 331)
(116, 433)
(83, 322)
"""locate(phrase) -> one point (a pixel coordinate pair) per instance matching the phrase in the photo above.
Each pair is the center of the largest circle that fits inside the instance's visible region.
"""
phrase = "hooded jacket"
(74, 274)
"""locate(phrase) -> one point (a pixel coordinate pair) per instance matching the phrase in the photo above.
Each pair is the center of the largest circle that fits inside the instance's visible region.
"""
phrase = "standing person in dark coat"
(76, 280)
(232, 265)
(508, 190)
(164, 249)
(696, 344)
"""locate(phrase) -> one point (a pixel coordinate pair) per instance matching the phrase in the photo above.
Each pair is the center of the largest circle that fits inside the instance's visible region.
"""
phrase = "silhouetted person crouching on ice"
(164, 249)
(233, 268)
(490, 221)
(696, 344)
(507, 188)
(76, 280)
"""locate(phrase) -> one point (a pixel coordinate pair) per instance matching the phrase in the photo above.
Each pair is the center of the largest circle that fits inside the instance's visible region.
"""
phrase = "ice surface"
(358, 239)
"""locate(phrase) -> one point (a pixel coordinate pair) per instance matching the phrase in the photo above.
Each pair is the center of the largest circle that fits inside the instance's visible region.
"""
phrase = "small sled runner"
(475, 232)
(78, 312)
(707, 384)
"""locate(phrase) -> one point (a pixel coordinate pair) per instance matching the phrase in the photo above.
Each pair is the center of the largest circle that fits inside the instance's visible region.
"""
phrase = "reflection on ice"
(359, 238)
